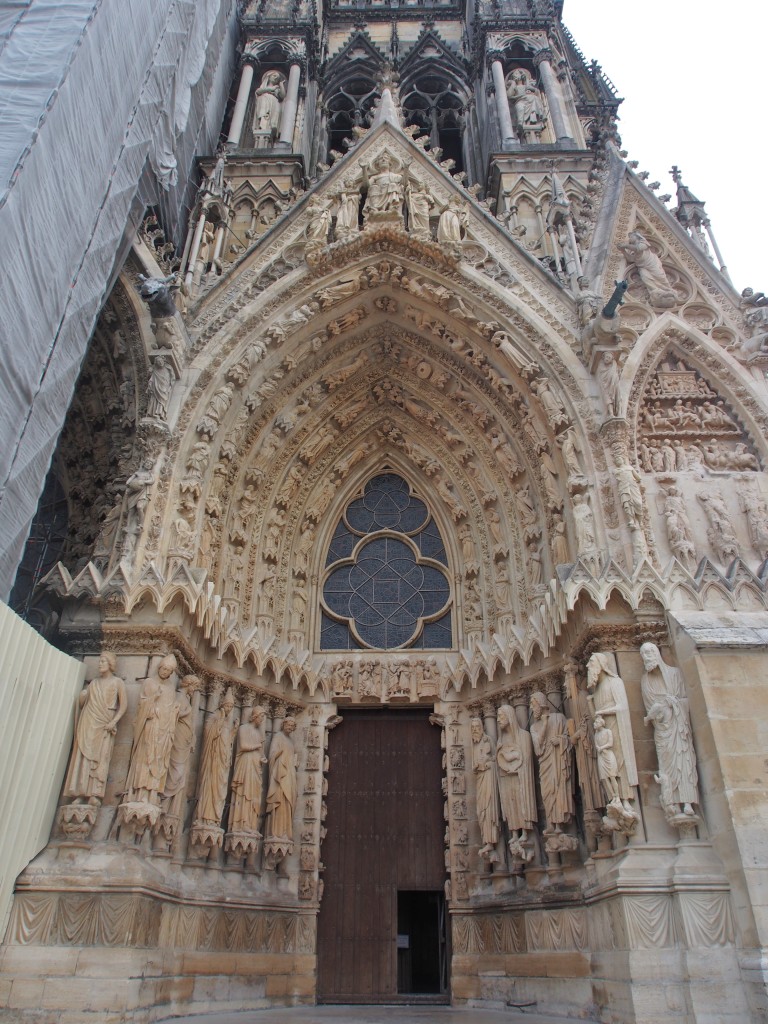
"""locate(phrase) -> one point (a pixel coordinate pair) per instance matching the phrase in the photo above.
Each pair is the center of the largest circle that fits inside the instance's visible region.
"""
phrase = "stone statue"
(679, 528)
(157, 292)
(609, 377)
(174, 791)
(281, 795)
(582, 737)
(452, 221)
(609, 700)
(247, 780)
(720, 533)
(385, 189)
(756, 511)
(159, 387)
(137, 492)
(607, 765)
(560, 552)
(525, 101)
(514, 760)
(419, 203)
(215, 761)
(347, 225)
(628, 484)
(584, 524)
(269, 97)
(651, 272)
(486, 789)
(100, 707)
(569, 446)
(153, 734)
(319, 223)
(666, 706)
(553, 749)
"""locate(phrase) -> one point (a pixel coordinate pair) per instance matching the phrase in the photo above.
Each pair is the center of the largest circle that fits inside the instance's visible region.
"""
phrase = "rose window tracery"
(386, 586)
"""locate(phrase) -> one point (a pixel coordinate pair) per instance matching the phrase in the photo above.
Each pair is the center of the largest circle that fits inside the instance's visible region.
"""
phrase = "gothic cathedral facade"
(411, 519)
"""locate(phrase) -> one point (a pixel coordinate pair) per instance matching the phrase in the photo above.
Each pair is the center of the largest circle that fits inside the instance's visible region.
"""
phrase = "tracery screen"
(386, 585)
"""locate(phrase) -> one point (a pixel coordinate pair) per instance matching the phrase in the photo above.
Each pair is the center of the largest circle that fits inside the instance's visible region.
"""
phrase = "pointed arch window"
(385, 585)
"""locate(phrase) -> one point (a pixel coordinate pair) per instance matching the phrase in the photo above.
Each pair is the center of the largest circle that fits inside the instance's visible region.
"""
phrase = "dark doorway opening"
(422, 965)
(383, 857)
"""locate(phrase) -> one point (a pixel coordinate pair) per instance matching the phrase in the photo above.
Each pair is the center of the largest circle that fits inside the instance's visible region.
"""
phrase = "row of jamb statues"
(601, 731)
(156, 784)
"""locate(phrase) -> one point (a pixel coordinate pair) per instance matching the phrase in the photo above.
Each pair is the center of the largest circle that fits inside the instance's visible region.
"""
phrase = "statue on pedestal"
(666, 707)
(554, 751)
(517, 794)
(281, 795)
(153, 733)
(215, 761)
(608, 697)
(100, 707)
(247, 786)
(266, 116)
(486, 789)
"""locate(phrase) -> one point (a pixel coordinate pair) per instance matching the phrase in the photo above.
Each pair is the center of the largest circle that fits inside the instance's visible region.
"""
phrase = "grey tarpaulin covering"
(85, 89)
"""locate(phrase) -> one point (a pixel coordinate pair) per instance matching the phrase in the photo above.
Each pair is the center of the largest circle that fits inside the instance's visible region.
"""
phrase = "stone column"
(241, 103)
(508, 137)
(543, 60)
(290, 107)
(195, 250)
(716, 249)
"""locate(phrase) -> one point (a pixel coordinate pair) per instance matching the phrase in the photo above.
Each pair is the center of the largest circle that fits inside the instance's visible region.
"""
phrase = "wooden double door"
(382, 929)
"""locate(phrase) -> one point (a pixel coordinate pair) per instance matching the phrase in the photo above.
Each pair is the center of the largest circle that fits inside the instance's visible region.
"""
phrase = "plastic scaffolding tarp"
(90, 90)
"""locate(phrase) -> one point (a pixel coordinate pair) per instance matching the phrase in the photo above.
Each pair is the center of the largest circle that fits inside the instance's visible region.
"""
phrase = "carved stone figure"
(666, 706)
(584, 524)
(553, 749)
(247, 784)
(266, 116)
(453, 220)
(419, 203)
(569, 446)
(756, 512)
(679, 528)
(157, 292)
(384, 201)
(720, 533)
(215, 761)
(281, 795)
(609, 700)
(153, 733)
(609, 379)
(607, 765)
(100, 707)
(159, 387)
(514, 760)
(552, 405)
(137, 491)
(347, 225)
(525, 101)
(628, 485)
(560, 553)
(486, 789)
(319, 223)
(582, 737)
(174, 790)
(649, 267)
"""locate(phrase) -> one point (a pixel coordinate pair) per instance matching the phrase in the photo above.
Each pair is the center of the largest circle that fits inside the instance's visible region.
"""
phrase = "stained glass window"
(386, 587)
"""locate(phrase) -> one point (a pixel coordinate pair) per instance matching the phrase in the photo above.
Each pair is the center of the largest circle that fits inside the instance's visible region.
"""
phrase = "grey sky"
(693, 77)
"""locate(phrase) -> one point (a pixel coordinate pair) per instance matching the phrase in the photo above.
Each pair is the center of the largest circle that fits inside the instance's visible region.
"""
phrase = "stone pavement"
(373, 1015)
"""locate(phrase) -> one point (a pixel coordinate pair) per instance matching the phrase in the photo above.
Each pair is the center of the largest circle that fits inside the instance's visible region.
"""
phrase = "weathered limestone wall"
(725, 658)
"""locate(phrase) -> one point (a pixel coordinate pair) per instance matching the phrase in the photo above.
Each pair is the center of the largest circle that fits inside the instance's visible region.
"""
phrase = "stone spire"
(692, 215)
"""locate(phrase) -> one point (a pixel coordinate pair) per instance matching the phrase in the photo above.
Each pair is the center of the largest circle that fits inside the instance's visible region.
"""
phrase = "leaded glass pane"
(385, 586)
